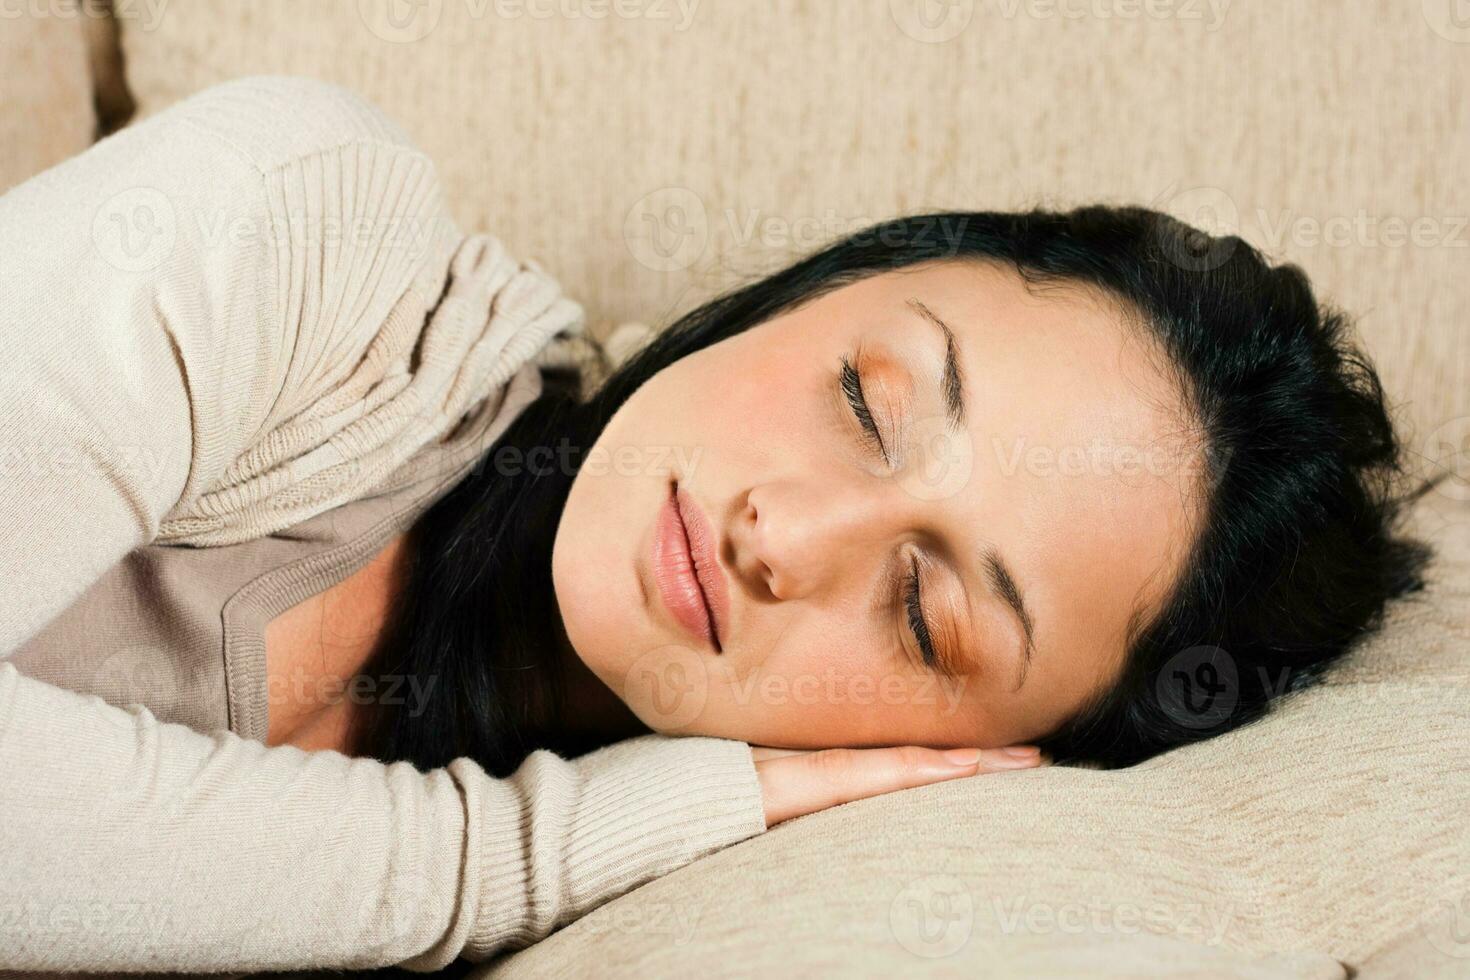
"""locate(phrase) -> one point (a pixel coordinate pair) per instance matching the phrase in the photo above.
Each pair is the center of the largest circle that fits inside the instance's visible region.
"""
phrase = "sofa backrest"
(46, 111)
(653, 152)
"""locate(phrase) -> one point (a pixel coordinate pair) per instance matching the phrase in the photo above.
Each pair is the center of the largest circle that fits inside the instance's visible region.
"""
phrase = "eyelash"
(917, 625)
(852, 387)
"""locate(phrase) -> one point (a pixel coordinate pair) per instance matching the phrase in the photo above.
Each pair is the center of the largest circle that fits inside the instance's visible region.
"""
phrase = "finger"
(833, 776)
(763, 752)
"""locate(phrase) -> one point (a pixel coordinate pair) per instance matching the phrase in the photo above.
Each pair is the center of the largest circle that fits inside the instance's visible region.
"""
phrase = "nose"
(801, 536)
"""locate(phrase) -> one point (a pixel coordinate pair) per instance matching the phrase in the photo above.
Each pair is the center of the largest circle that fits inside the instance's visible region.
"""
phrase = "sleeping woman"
(362, 611)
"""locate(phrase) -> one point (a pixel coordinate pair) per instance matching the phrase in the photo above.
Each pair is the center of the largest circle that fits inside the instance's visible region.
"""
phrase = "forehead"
(1084, 461)
(1067, 353)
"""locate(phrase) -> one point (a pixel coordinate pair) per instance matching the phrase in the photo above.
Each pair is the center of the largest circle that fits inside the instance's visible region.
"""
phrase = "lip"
(689, 578)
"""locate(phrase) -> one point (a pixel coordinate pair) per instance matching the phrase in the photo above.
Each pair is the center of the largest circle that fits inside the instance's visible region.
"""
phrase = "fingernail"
(1022, 750)
(1007, 759)
(962, 757)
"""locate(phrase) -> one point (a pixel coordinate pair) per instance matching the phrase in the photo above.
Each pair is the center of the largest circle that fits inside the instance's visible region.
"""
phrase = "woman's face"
(1067, 467)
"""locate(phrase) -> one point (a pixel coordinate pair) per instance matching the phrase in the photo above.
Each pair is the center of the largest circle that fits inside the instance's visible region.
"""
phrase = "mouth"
(689, 578)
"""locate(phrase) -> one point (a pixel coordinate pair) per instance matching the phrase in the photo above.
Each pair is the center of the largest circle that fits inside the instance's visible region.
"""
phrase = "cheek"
(583, 555)
(757, 392)
(826, 682)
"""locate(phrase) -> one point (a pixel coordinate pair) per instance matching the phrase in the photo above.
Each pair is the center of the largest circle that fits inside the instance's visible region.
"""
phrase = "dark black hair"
(1299, 551)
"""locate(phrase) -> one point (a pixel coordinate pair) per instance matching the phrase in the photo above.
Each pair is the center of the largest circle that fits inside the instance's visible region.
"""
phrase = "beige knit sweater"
(186, 312)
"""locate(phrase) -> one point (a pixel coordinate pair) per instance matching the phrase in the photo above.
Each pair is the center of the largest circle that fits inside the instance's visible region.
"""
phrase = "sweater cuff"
(559, 838)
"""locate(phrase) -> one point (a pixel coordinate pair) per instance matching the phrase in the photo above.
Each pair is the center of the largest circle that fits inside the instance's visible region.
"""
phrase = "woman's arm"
(134, 844)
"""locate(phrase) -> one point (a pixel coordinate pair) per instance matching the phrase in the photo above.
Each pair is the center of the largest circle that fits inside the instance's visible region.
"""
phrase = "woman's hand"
(799, 781)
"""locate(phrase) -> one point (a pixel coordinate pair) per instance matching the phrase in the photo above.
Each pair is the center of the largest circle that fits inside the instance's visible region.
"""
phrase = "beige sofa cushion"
(45, 91)
(1437, 949)
(667, 148)
(1073, 955)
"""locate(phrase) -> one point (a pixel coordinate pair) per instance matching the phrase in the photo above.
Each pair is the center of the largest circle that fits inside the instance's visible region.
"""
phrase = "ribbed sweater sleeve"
(166, 299)
(131, 844)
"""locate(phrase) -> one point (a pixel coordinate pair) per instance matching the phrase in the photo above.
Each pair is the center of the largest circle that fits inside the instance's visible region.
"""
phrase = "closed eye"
(852, 387)
(917, 625)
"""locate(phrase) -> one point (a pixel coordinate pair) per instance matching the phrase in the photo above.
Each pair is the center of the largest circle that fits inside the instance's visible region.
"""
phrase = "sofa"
(650, 153)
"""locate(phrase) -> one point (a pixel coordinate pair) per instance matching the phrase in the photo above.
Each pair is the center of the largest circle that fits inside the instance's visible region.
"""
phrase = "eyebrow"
(998, 574)
(1003, 584)
(953, 385)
